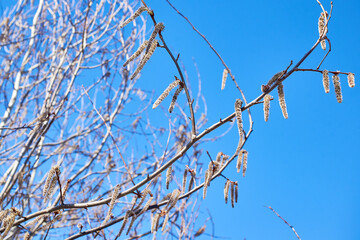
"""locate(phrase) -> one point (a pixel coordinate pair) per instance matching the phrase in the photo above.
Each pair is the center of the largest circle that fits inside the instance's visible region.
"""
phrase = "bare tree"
(78, 150)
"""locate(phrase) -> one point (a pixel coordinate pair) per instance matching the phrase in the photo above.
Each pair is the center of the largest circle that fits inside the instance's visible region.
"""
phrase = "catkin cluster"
(7, 218)
(51, 182)
(242, 160)
(166, 92)
(233, 188)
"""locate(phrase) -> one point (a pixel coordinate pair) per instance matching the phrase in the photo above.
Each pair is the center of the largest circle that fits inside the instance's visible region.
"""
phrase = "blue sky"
(305, 167)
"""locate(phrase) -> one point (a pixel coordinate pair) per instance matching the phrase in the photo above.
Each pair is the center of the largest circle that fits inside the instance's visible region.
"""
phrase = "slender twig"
(113, 138)
(297, 235)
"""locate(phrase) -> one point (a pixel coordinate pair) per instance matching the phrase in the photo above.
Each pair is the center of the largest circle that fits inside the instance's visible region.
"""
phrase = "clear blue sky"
(305, 167)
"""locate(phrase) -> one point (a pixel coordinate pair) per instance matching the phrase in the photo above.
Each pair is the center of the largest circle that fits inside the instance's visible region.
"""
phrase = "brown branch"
(297, 235)
(328, 40)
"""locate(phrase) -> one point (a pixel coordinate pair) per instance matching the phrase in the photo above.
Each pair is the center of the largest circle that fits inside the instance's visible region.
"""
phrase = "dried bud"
(326, 81)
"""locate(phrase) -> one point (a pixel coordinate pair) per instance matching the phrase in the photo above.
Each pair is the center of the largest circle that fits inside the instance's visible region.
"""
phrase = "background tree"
(76, 119)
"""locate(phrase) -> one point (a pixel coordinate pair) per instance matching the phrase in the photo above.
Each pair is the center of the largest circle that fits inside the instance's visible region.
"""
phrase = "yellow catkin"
(158, 27)
(337, 86)
(238, 113)
(224, 77)
(267, 99)
(168, 176)
(166, 93)
(135, 15)
(245, 162)
(136, 53)
(232, 194)
(351, 80)
(326, 81)
(166, 219)
(282, 100)
(114, 195)
(174, 98)
(146, 58)
(226, 190)
(236, 191)
(184, 181)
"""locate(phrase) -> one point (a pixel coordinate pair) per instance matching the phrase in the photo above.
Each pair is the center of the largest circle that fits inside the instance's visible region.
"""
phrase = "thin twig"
(297, 235)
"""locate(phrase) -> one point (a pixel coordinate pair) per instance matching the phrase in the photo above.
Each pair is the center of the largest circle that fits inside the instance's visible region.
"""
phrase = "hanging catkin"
(238, 113)
(282, 100)
(137, 53)
(322, 29)
(173, 101)
(224, 77)
(146, 58)
(114, 195)
(337, 86)
(245, 162)
(351, 80)
(184, 181)
(226, 190)
(168, 176)
(325, 80)
(166, 92)
(51, 182)
(158, 27)
(267, 99)
(135, 15)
